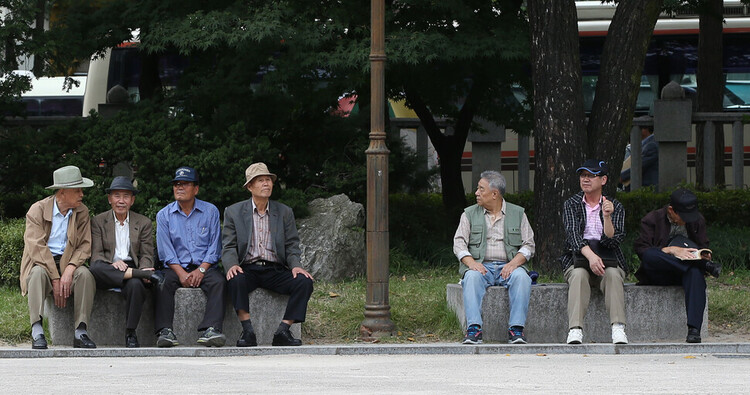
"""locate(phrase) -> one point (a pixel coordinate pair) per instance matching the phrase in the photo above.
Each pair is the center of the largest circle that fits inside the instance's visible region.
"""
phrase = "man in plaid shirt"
(594, 229)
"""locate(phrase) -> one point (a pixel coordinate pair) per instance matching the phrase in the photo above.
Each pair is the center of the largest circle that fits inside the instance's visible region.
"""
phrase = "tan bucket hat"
(255, 170)
(69, 177)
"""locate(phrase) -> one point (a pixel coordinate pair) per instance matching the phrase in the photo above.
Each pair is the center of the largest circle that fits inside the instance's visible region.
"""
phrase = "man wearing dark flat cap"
(665, 263)
(122, 253)
(261, 249)
(56, 244)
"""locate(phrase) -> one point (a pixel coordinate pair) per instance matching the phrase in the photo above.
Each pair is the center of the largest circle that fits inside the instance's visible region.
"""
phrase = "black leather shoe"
(131, 341)
(247, 339)
(157, 278)
(40, 343)
(694, 335)
(285, 338)
(84, 342)
(713, 268)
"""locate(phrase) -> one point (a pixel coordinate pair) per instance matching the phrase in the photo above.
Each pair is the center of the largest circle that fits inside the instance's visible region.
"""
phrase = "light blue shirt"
(188, 239)
(58, 236)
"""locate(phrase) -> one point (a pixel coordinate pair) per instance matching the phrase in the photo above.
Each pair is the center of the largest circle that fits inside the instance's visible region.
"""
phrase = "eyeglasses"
(588, 175)
(179, 184)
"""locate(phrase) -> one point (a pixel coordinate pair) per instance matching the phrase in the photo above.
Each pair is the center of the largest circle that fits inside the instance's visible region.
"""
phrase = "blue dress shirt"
(58, 236)
(188, 239)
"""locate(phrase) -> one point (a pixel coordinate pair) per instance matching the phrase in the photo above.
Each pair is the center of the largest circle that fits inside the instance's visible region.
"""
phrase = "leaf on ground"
(411, 339)
(541, 355)
(333, 294)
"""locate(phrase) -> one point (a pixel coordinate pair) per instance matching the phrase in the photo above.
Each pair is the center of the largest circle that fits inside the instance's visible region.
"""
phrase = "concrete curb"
(383, 349)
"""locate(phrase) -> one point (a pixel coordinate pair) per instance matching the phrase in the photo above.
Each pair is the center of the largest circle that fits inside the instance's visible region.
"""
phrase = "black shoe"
(247, 339)
(694, 335)
(713, 268)
(40, 343)
(167, 338)
(285, 338)
(131, 340)
(84, 342)
(157, 278)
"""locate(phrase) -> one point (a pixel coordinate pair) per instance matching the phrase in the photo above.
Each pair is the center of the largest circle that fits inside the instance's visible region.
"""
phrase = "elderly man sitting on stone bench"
(492, 243)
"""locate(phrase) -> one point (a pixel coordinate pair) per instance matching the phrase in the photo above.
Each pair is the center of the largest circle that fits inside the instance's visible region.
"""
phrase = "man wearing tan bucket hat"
(57, 242)
(261, 249)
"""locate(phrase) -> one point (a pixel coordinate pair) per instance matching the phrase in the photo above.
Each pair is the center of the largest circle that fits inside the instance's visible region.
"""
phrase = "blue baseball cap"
(595, 167)
(185, 173)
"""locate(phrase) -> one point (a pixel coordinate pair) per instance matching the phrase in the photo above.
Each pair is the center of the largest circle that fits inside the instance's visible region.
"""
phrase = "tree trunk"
(449, 147)
(150, 84)
(39, 18)
(558, 121)
(710, 83)
(619, 81)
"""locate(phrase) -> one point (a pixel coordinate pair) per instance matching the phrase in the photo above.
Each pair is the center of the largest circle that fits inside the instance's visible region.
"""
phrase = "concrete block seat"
(654, 313)
(107, 326)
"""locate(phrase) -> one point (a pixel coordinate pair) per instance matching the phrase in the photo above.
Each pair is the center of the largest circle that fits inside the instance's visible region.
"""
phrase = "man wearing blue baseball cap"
(594, 229)
(188, 238)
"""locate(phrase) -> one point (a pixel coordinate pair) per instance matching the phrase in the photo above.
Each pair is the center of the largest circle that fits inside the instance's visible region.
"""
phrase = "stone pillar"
(672, 129)
(486, 148)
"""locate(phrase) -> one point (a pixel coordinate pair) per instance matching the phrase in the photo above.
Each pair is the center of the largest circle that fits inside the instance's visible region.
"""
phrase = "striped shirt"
(261, 243)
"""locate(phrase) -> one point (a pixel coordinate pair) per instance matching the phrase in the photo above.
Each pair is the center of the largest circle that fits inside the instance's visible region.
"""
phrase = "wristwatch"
(202, 269)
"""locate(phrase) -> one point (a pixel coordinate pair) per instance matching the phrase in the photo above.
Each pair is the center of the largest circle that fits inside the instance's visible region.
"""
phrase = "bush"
(11, 251)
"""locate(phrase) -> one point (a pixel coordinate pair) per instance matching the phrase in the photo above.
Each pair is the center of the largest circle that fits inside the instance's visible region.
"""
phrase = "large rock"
(333, 239)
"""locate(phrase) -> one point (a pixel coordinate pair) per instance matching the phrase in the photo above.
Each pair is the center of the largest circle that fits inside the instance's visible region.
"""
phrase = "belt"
(264, 263)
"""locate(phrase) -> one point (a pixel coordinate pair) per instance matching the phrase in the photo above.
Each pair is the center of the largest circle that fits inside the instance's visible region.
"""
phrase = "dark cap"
(121, 183)
(685, 204)
(595, 167)
(185, 173)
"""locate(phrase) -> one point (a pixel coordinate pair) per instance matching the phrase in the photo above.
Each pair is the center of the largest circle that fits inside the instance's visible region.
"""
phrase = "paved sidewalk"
(436, 369)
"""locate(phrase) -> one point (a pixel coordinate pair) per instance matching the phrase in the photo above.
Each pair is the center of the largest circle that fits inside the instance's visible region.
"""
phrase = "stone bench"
(107, 326)
(654, 313)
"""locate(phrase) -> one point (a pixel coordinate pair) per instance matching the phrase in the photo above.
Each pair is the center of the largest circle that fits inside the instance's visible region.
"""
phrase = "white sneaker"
(575, 336)
(618, 334)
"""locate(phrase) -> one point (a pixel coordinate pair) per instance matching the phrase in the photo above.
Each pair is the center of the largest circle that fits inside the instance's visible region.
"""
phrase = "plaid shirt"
(574, 221)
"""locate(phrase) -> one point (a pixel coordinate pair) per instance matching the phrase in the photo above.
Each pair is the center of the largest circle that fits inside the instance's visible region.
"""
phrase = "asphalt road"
(498, 373)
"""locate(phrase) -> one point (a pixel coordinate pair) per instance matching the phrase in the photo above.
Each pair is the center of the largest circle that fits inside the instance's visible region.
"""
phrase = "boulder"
(332, 239)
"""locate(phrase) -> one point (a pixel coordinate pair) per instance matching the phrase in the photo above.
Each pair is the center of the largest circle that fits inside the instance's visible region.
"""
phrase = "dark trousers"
(275, 278)
(664, 269)
(212, 285)
(107, 276)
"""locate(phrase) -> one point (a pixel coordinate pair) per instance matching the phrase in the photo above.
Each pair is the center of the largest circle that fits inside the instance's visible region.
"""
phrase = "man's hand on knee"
(57, 293)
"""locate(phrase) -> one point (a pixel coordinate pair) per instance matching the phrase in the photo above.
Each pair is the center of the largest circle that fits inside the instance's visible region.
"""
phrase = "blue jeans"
(475, 285)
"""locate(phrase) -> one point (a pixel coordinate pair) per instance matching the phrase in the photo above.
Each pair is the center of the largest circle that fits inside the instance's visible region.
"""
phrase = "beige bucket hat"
(255, 170)
(69, 177)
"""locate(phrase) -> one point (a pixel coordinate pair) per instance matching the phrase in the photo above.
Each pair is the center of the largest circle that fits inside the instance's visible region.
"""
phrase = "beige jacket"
(38, 227)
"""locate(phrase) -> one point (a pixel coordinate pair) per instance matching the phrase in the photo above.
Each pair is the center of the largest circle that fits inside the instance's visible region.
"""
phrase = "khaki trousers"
(580, 281)
(40, 287)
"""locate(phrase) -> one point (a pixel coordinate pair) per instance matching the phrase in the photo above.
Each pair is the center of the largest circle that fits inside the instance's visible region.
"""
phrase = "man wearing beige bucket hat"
(261, 249)
(57, 243)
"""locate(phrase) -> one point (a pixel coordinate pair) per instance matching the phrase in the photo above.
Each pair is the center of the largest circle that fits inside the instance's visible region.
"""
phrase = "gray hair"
(495, 179)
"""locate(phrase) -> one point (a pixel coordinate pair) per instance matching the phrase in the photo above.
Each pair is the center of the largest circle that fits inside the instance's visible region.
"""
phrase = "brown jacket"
(38, 227)
(141, 239)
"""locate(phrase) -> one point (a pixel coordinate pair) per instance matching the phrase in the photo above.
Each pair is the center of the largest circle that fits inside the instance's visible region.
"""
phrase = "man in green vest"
(493, 242)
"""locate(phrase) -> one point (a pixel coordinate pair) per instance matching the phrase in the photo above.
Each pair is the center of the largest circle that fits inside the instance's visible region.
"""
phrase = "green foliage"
(313, 153)
(11, 251)
(14, 316)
